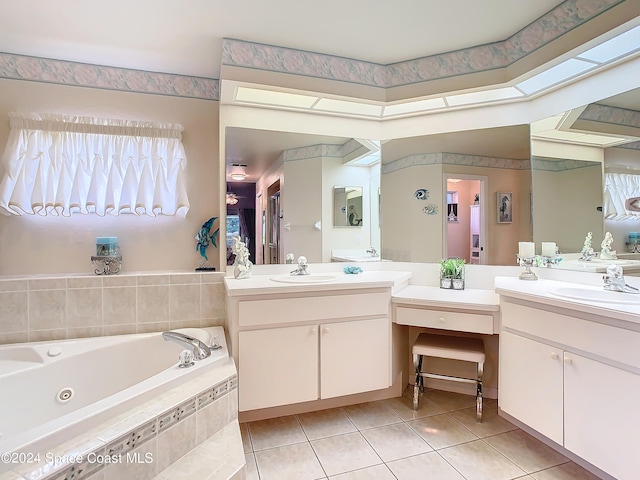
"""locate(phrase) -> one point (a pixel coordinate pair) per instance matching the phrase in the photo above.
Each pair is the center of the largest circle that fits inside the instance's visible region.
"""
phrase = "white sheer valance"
(59, 165)
(622, 196)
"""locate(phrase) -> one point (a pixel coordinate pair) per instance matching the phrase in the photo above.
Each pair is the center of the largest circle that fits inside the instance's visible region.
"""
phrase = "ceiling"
(185, 36)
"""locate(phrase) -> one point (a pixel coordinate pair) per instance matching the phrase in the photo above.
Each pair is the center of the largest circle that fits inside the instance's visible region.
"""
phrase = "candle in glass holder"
(548, 249)
(526, 249)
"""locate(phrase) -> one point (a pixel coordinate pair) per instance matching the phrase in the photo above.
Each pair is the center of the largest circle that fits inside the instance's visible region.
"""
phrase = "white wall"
(33, 244)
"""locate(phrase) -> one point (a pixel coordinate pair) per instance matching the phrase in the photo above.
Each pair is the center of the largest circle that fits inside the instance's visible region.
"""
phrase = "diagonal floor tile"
(428, 466)
(441, 431)
(246, 441)
(252, 469)
(378, 472)
(392, 442)
(325, 423)
(371, 414)
(291, 462)
(479, 461)
(275, 432)
(449, 401)
(403, 407)
(529, 453)
(344, 453)
(566, 471)
(491, 424)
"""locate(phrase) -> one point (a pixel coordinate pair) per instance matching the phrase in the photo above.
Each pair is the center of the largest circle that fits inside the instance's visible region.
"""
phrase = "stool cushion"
(444, 346)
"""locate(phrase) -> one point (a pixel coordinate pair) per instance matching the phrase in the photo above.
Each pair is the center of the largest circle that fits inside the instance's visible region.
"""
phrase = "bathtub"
(53, 391)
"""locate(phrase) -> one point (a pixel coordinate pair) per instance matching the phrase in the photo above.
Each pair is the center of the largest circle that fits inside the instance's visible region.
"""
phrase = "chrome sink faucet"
(614, 280)
(372, 251)
(200, 349)
(302, 267)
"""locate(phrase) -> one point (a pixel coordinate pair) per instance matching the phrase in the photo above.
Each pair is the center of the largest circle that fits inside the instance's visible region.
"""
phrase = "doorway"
(464, 217)
(273, 224)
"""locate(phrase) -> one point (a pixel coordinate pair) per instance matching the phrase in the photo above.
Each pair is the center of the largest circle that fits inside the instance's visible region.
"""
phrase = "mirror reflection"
(585, 168)
(296, 209)
(347, 207)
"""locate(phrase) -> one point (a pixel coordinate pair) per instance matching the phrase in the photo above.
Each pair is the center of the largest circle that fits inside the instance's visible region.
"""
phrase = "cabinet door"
(277, 366)
(354, 357)
(530, 384)
(601, 415)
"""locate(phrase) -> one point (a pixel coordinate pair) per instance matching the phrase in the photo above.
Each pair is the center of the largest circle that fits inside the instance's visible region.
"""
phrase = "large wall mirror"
(347, 207)
(554, 173)
(585, 163)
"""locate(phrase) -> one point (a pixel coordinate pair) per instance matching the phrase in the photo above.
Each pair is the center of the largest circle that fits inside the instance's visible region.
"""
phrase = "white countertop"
(467, 299)
(263, 284)
(540, 291)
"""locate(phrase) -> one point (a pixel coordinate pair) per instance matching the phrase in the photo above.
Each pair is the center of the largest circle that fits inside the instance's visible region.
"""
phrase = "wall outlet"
(358, 239)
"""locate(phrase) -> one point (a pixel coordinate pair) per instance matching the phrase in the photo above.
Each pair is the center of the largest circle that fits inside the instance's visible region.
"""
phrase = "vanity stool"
(455, 348)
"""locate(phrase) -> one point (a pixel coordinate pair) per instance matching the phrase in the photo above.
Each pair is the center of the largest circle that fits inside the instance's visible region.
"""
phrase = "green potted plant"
(452, 273)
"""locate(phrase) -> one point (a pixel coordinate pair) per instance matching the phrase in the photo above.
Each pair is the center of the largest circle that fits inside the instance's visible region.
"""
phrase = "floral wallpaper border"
(455, 159)
(539, 163)
(613, 115)
(325, 150)
(562, 19)
(22, 67)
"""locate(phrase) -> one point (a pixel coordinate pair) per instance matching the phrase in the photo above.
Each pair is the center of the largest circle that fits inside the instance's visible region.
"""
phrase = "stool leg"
(417, 386)
(479, 393)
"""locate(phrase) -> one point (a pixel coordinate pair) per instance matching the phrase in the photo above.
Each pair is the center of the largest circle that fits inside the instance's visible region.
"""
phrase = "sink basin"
(313, 278)
(595, 295)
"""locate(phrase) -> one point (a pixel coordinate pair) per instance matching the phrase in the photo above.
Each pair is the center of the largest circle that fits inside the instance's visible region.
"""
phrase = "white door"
(601, 415)
(277, 366)
(354, 357)
(530, 384)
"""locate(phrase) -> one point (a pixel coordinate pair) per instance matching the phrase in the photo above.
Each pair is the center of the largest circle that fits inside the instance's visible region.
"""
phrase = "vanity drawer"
(461, 322)
(305, 309)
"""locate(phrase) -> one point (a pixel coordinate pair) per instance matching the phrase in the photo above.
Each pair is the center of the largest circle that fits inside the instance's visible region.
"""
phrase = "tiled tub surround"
(143, 441)
(56, 308)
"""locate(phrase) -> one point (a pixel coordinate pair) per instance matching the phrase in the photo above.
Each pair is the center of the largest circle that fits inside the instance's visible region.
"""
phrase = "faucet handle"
(302, 260)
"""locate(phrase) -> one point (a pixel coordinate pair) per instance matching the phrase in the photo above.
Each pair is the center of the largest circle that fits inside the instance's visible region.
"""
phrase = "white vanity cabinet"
(297, 349)
(574, 380)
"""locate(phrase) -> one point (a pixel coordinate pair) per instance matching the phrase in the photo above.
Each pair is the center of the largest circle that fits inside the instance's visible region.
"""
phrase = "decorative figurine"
(606, 253)
(204, 239)
(242, 264)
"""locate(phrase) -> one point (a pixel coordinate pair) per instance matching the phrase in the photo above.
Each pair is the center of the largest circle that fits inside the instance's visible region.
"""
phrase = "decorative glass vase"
(458, 283)
(445, 282)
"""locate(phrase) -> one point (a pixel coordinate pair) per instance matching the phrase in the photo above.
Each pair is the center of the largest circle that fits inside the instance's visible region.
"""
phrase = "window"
(59, 165)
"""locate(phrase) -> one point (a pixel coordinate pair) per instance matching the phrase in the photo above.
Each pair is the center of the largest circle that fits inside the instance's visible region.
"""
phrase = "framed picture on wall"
(504, 207)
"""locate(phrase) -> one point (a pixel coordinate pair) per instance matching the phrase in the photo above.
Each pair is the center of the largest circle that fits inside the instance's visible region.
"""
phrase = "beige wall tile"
(14, 313)
(153, 327)
(42, 335)
(214, 322)
(184, 302)
(84, 307)
(176, 442)
(119, 305)
(47, 309)
(124, 329)
(212, 418)
(84, 332)
(153, 304)
(47, 283)
(188, 324)
(153, 279)
(139, 471)
(14, 337)
(212, 301)
(184, 278)
(119, 281)
(13, 285)
(84, 282)
(212, 277)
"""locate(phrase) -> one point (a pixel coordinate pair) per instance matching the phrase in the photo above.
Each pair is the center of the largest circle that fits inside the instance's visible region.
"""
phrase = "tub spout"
(200, 349)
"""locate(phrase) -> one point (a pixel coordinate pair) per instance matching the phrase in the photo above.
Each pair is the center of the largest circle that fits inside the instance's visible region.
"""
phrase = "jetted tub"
(54, 390)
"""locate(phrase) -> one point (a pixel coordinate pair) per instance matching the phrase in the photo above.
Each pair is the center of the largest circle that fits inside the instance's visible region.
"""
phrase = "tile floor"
(387, 440)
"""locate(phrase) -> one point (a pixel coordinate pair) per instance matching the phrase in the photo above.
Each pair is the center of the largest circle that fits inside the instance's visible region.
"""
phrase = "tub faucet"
(614, 280)
(372, 251)
(302, 267)
(200, 349)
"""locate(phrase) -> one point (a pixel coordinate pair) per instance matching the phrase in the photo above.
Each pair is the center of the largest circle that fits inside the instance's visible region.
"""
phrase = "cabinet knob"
(326, 330)
(441, 320)
(554, 356)
(312, 330)
(567, 360)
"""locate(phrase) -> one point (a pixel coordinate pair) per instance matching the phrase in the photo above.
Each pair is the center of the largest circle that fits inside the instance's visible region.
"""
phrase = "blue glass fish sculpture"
(205, 238)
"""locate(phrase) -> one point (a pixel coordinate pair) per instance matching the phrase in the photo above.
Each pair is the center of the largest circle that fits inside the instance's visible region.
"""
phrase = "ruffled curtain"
(59, 165)
(621, 196)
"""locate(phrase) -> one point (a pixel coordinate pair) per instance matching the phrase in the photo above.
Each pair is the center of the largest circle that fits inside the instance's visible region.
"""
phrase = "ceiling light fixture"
(238, 172)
